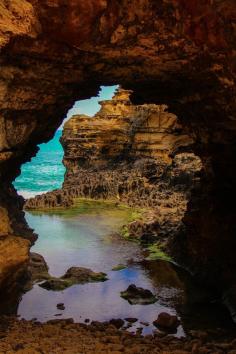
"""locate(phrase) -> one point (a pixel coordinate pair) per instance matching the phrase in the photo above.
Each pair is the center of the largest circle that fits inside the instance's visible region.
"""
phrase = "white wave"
(30, 194)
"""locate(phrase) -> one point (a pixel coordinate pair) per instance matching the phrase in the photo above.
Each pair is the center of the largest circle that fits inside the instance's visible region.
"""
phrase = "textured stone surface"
(55, 199)
(175, 52)
(13, 262)
(121, 132)
(64, 336)
(124, 153)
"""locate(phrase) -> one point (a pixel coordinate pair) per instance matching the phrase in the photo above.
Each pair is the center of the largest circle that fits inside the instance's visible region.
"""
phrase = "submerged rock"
(167, 322)
(138, 296)
(119, 267)
(74, 275)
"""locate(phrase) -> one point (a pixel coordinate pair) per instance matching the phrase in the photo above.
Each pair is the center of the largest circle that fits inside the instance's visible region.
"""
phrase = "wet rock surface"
(136, 295)
(167, 322)
(74, 275)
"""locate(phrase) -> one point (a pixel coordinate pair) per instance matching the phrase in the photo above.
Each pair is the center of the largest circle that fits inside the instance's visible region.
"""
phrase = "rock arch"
(175, 52)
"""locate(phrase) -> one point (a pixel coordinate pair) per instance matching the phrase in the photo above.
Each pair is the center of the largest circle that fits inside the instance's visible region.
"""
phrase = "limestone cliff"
(176, 52)
(130, 153)
(123, 151)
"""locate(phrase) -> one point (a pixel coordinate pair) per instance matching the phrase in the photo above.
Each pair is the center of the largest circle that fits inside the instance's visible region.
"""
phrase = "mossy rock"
(119, 267)
(156, 252)
(74, 275)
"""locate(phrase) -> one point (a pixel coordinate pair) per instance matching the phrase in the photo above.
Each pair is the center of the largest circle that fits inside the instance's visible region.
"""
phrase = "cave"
(175, 52)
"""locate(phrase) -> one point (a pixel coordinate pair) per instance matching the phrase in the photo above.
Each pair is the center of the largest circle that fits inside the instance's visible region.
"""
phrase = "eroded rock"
(55, 199)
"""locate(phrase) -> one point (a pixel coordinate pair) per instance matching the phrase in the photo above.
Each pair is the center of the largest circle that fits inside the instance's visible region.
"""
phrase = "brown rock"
(136, 295)
(166, 321)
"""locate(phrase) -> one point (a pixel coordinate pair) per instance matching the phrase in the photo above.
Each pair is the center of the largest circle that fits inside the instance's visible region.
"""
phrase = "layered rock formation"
(128, 153)
(176, 52)
(123, 151)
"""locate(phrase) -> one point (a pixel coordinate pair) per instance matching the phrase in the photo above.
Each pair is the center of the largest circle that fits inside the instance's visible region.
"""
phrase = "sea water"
(44, 172)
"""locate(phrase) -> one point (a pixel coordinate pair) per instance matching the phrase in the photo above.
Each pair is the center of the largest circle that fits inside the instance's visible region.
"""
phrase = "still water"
(86, 236)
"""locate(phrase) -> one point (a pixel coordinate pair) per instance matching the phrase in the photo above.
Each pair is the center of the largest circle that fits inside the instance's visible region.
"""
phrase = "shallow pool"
(87, 236)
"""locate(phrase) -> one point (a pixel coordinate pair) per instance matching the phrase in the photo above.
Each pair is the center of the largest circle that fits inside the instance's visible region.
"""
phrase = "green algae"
(156, 252)
(91, 206)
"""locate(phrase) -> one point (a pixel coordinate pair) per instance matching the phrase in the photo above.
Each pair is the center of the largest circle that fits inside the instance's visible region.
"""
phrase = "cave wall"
(175, 52)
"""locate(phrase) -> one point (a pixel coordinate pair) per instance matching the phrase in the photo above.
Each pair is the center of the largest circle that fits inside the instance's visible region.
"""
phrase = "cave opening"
(177, 52)
(127, 159)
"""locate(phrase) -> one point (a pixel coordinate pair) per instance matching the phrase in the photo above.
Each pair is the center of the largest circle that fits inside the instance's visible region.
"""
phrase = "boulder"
(138, 296)
(166, 322)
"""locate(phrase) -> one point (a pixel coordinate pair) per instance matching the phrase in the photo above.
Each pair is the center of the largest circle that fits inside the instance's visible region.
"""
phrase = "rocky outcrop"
(55, 199)
(131, 154)
(120, 132)
(176, 52)
(138, 296)
(74, 275)
(38, 272)
(124, 151)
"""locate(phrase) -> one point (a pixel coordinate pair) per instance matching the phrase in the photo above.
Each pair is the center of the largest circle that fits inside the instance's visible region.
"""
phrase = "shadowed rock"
(38, 267)
(167, 322)
(138, 296)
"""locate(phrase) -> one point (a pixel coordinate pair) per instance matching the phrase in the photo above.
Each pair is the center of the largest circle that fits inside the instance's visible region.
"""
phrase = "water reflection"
(88, 238)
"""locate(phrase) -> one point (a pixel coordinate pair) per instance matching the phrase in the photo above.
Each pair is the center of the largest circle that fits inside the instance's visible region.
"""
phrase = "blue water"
(45, 171)
(87, 237)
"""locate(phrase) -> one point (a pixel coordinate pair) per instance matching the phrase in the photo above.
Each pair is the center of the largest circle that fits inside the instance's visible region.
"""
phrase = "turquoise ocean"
(44, 172)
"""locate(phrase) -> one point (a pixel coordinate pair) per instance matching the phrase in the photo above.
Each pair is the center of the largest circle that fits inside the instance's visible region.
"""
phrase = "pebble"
(61, 306)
